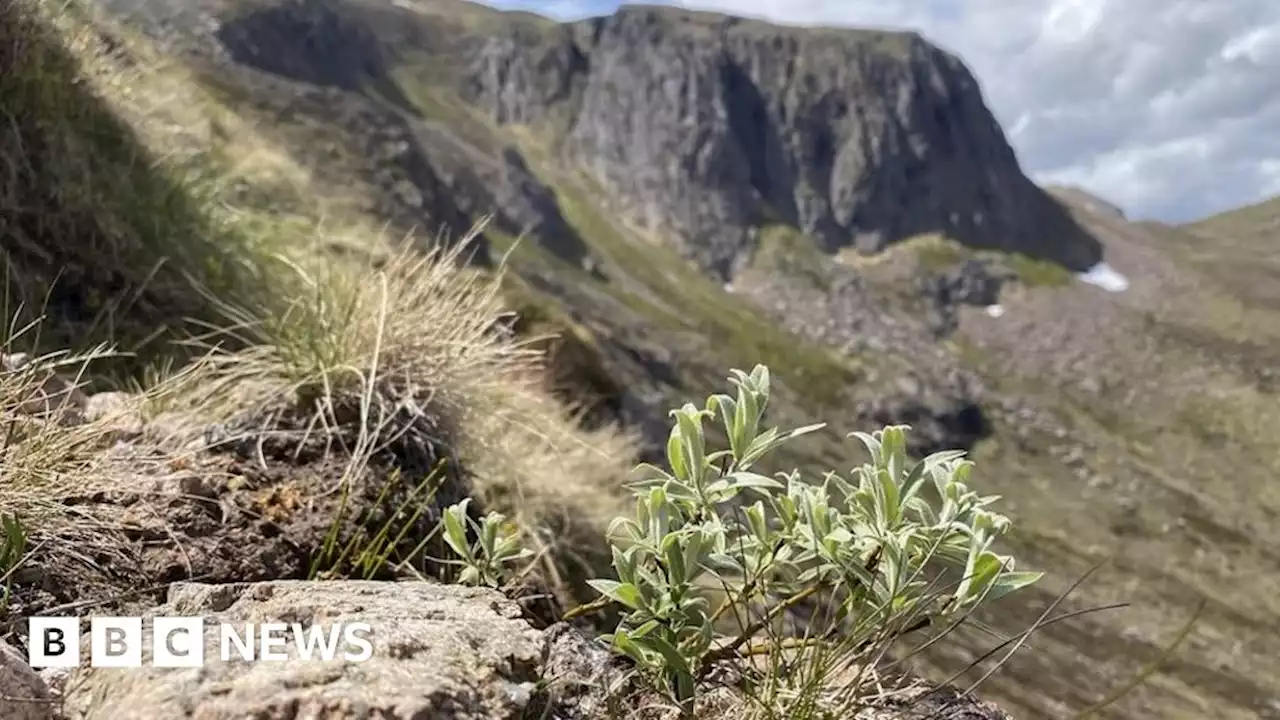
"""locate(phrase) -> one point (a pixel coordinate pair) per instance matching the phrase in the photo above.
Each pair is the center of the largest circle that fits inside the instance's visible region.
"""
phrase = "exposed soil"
(261, 506)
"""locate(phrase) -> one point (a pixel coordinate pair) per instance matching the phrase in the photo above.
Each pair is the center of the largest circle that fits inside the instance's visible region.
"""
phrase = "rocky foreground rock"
(439, 651)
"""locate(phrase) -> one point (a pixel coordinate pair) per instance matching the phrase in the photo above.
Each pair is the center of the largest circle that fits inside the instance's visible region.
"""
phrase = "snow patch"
(995, 311)
(1106, 277)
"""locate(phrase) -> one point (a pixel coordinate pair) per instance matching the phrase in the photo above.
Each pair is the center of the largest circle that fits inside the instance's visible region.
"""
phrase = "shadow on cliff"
(750, 123)
(1067, 242)
(312, 43)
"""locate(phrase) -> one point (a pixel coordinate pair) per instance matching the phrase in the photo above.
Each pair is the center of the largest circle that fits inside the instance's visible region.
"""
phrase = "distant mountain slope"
(1135, 425)
(1259, 221)
(1251, 261)
(698, 127)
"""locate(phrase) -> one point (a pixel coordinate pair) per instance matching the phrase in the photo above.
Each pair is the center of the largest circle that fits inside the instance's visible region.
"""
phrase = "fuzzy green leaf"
(676, 454)
(624, 593)
(745, 479)
(623, 642)
(669, 653)
(455, 533)
(690, 421)
(1011, 582)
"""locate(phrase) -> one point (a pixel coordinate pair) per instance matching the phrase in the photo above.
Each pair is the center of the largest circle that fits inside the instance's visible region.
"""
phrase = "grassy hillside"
(1166, 464)
(1260, 222)
(92, 210)
(1133, 428)
(1249, 234)
(158, 243)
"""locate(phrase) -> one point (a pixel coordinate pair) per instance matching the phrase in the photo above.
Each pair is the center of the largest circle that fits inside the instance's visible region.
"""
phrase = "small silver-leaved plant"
(497, 544)
(872, 542)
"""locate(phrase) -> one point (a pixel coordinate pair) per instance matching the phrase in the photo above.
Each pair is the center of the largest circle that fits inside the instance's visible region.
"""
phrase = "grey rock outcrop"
(970, 282)
(696, 126)
(938, 421)
(705, 126)
(439, 651)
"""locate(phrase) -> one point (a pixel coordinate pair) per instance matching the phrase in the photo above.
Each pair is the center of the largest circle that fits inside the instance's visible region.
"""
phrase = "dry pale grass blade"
(428, 325)
(1024, 636)
(838, 666)
(1150, 669)
(48, 450)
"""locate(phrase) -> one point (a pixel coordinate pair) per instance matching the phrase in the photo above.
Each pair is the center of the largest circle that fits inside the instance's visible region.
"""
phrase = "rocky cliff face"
(704, 127)
(699, 128)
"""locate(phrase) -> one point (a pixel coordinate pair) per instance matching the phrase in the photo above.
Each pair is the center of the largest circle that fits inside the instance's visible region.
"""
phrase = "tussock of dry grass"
(49, 451)
(417, 323)
(416, 349)
(41, 459)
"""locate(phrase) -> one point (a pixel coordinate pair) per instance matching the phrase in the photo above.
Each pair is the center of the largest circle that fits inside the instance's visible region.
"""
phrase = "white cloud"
(1169, 108)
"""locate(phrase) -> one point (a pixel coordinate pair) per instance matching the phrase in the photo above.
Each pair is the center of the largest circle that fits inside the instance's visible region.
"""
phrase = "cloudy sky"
(1168, 108)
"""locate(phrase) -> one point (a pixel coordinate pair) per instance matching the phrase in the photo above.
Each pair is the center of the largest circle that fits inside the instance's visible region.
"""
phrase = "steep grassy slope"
(1131, 426)
(1250, 234)
(136, 209)
(90, 209)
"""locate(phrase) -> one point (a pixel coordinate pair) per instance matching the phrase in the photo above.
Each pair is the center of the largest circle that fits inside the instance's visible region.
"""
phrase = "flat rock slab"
(439, 651)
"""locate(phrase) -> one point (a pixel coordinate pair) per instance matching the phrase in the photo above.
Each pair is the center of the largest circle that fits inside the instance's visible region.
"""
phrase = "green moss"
(936, 253)
(783, 248)
(1038, 273)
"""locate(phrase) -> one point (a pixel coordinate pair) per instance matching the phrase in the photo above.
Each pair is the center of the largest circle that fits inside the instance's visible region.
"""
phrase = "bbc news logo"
(179, 641)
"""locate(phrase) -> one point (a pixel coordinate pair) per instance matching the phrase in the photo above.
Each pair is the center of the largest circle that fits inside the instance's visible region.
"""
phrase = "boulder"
(23, 694)
(439, 651)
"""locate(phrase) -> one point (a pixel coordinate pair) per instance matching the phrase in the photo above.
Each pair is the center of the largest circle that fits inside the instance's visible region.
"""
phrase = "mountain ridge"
(900, 161)
(1116, 424)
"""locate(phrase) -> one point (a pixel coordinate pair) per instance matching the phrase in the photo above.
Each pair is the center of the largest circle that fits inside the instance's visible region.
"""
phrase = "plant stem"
(746, 590)
(731, 649)
(599, 603)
